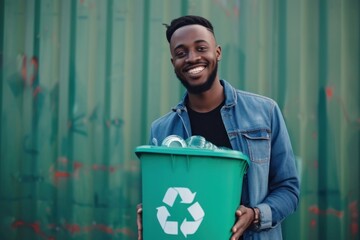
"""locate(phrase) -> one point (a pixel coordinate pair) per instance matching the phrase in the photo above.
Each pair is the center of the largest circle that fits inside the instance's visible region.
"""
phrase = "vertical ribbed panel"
(81, 81)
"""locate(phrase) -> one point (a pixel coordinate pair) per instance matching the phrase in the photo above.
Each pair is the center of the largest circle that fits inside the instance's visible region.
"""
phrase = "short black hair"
(187, 20)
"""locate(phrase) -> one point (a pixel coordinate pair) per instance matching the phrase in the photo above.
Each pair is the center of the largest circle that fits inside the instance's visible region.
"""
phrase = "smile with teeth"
(196, 70)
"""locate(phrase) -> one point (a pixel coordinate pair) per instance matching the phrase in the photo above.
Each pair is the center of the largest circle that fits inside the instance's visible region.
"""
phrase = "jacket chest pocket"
(258, 143)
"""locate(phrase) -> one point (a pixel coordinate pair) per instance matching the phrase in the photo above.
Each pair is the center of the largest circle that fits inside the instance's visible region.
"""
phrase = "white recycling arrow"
(195, 210)
(162, 215)
(189, 227)
(186, 195)
(170, 196)
(171, 228)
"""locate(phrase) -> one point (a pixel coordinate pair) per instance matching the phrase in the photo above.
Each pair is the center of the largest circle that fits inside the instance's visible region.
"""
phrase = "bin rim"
(221, 153)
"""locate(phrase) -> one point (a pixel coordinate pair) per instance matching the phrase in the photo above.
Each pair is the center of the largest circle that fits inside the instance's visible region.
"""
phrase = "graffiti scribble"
(330, 211)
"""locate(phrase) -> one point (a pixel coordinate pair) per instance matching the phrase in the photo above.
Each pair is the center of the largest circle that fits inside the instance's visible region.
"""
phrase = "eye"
(202, 48)
(180, 53)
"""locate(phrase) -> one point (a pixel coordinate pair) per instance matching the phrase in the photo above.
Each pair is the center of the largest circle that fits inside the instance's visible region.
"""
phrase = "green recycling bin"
(190, 193)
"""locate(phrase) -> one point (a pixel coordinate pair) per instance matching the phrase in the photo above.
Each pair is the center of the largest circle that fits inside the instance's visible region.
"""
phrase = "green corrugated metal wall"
(81, 81)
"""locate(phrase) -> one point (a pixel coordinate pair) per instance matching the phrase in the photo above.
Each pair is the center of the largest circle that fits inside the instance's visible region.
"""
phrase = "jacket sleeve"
(284, 186)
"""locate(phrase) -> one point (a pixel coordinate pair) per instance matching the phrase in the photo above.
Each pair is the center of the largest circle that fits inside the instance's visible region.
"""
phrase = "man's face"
(194, 57)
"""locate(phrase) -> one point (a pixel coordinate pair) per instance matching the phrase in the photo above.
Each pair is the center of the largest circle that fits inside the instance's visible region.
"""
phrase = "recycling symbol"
(195, 210)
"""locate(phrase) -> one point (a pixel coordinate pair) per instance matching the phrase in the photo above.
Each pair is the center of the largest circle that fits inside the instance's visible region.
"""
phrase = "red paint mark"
(354, 227)
(77, 165)
(17, 224)
(73, 228)
(228, 8)
(104, 228)
(335, 212)
(60, 171)
(99, 227)
(61, 175)
(236, 11)
(36, 91)
(35, 226)
(30, 80)
(313, 223)
(330, 211)
(96, 167)
(354, 216)
(329, 92)
(24, 70)
(125, 231)
(314, 210)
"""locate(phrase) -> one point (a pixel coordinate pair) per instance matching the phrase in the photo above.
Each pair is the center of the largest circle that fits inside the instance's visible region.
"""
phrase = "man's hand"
(139, 220)
(245, 217)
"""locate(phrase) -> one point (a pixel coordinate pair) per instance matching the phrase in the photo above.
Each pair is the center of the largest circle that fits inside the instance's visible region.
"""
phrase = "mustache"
(199, 88)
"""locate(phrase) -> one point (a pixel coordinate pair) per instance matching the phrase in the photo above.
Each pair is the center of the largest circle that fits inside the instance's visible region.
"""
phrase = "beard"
(199, 88)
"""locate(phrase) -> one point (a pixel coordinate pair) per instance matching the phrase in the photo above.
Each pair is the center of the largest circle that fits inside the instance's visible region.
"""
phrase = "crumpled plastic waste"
(191, 142)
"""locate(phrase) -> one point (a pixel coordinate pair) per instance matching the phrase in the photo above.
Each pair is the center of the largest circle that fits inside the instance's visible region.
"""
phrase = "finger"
(139, 217)
(237, 229)
(139, 206)
(139, 226)
(139, 211)
(139, 220)
(236, 226)
(239, 213)
(236, 236)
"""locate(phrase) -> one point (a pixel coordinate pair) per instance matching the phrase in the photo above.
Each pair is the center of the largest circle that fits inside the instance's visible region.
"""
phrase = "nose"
(192, 57)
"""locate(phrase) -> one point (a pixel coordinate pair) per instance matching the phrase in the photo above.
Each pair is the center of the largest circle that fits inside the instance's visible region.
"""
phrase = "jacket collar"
(230, 97)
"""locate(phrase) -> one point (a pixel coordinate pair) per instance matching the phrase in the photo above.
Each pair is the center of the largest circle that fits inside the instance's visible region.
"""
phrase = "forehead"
(191, 34)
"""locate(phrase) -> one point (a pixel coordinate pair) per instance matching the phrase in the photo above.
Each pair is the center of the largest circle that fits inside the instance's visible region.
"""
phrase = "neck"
(209, 100)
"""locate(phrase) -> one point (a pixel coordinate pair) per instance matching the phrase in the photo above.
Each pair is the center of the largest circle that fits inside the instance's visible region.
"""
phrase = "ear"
(218, 52)
(172, 61)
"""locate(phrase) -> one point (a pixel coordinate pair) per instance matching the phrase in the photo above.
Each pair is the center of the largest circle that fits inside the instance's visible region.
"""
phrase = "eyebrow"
(197, 41)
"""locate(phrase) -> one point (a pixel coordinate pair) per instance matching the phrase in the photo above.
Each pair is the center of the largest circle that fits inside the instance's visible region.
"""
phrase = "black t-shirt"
(210, 126)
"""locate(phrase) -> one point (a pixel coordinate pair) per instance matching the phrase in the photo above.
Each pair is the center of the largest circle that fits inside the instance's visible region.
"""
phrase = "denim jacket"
(255, 126)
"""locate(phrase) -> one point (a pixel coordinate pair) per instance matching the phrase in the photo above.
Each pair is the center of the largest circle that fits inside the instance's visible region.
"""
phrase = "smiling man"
(195, 56)
(235, 119)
